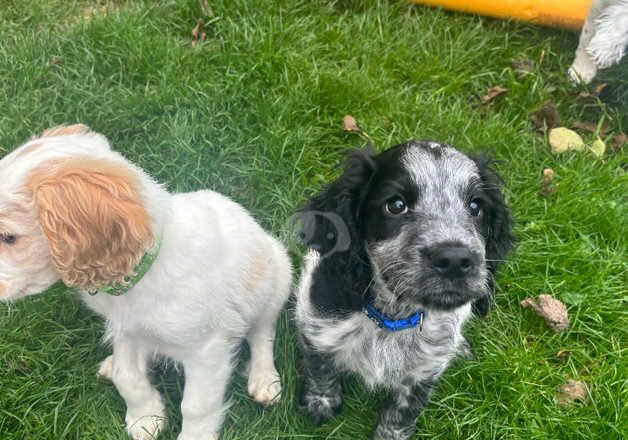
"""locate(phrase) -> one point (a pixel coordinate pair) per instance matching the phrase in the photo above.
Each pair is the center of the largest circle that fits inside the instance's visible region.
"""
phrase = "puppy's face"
(25, 264)
(71, 210)
(425, 218)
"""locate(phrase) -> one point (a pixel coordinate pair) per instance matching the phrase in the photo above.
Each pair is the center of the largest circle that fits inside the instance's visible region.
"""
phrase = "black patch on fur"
(497, 225)
(321, 395)
(397, 418)
(341, 281)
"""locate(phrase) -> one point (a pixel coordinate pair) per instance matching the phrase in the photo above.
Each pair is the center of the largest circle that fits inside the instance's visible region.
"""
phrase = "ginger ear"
(91, 212)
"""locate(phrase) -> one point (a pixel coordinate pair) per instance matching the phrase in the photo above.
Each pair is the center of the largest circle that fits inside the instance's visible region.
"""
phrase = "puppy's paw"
(320, 408)
(264, 386)
(208, 436)
(106, 368)
(146, 422)
(582, 71)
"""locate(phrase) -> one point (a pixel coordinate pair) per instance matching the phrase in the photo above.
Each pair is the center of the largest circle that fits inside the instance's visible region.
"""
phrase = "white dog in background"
(603, 39)
(195, 273)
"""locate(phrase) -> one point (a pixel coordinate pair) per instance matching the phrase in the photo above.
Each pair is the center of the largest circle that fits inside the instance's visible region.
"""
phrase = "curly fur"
(93, 217)
(80, 212)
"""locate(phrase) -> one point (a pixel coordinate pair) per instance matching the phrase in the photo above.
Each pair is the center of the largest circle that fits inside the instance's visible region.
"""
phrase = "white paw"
(582, 71)
(210, 436)
(106, 368)
(145, 423)
(265, 386)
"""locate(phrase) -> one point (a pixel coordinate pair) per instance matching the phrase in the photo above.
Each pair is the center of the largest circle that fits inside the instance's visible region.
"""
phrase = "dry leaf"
(493, 93)
(619, 140)
(350, 124)
(550, 309)
(563, 355)
(547, 186)
(562, 139)
(598, 89)
(522, 67)
(572, 391)
(53, 61)
(195, 31)
(591, 127)
(598, 147)
(545, 117)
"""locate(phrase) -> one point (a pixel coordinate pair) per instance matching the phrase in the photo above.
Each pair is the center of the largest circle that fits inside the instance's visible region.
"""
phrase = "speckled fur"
(386, 264)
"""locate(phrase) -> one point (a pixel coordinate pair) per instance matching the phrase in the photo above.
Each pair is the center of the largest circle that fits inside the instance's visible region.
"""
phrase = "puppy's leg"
(609, 44)
(583, 69)
(321, 394)
(105, 370)
(207, 375)
(397, 419)
(264, 383)
(145, 415)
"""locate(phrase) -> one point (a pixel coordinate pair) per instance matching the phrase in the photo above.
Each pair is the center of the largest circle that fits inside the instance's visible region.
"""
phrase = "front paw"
(320, 408)
(582, 71)
(146, 422)
(264, 386)
(391, 432)
(208, 436)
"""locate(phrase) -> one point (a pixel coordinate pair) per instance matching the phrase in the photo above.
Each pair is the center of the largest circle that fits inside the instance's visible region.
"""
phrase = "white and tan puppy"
(603, 39)
(194, 274)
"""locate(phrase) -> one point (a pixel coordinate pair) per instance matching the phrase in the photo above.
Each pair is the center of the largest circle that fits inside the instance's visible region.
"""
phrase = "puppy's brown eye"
(8, 239)
(475, 208)
(396, 206)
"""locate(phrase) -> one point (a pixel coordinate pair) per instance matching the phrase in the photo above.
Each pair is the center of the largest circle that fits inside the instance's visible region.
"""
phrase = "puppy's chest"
(384, 358)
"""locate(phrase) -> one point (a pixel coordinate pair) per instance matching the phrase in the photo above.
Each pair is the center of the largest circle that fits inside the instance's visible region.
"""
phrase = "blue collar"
(394, 325)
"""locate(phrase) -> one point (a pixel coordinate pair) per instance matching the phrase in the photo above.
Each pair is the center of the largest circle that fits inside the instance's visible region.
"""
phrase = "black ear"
(497, 225)
(329, 222)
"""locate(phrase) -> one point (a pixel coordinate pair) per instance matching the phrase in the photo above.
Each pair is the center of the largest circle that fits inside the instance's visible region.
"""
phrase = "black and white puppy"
(422, 229)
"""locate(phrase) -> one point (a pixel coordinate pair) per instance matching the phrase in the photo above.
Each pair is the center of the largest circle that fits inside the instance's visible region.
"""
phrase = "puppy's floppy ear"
(92, 214)
(498, 224)
(342, 197)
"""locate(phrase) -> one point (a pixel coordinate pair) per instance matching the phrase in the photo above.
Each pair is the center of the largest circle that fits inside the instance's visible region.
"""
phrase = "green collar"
(130, 281)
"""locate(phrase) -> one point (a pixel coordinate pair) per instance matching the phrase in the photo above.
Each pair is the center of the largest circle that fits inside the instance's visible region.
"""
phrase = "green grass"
(255, 112)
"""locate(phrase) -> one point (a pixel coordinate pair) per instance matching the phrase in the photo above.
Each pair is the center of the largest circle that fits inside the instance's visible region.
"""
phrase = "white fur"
(382, 358)
(194, 305)
(603, 39)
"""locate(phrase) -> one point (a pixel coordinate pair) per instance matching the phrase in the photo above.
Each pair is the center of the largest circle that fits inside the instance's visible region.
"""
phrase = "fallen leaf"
(598, 147)
(562, 139)
(195, 31)
(545, 117)
(563, 355)
(53, 61)
(522, 67)
(493, 93)
(572, 391)
(598, 89)
(547, 186)
(550, 309)
(619, 140)
(350, 124)
(594, 94)
(591, 127)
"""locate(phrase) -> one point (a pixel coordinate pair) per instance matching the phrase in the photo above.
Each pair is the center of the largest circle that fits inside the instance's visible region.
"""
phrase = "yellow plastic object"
(568, 14)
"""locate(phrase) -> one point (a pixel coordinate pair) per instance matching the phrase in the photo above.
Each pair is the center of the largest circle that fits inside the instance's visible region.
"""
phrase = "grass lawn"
(255, 112)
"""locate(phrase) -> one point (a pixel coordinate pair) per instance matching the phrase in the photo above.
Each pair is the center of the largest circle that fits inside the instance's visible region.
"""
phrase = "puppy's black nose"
(451, 261)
